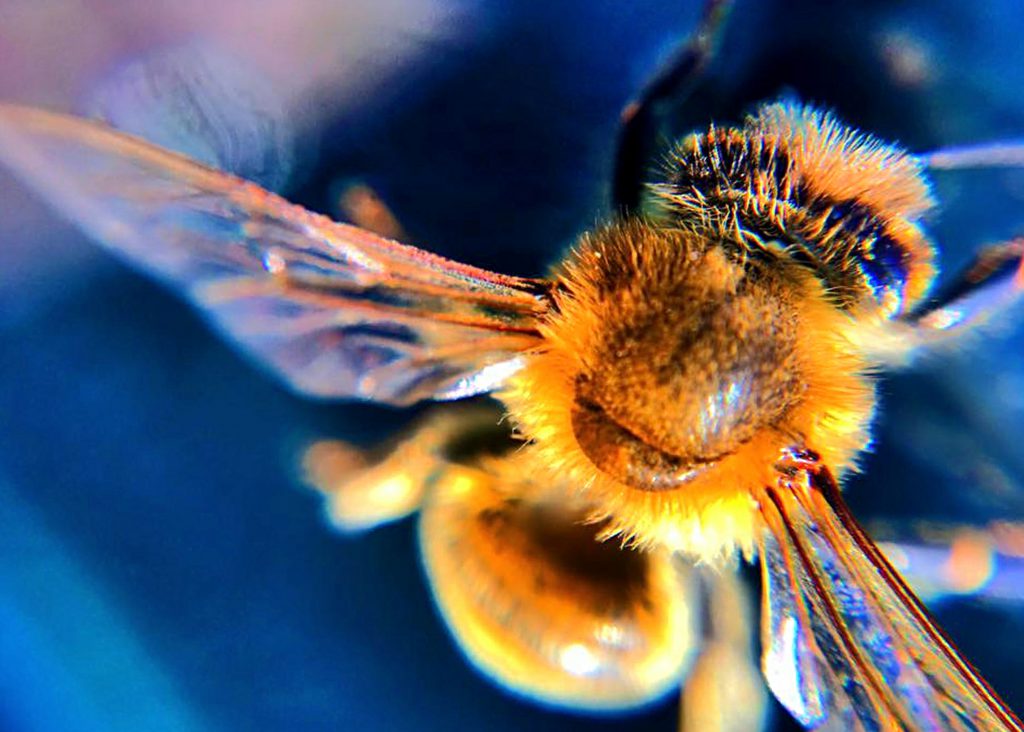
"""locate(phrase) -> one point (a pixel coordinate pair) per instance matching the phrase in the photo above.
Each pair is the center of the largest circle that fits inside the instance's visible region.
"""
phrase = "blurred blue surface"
(160, 566)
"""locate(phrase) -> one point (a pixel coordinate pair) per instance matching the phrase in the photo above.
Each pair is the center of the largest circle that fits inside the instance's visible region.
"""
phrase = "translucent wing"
(846, 643)
(333, 309)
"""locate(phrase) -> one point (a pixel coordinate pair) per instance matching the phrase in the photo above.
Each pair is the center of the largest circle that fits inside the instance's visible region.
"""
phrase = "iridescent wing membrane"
(847, 646)
(335, 310)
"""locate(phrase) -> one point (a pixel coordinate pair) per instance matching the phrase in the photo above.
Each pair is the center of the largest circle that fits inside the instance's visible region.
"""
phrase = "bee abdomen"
(839, 202)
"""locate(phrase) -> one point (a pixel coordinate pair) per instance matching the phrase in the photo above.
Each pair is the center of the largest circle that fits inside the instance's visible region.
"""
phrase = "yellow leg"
(361, 205)
(724, 692)
(993, 282)
(367, 488)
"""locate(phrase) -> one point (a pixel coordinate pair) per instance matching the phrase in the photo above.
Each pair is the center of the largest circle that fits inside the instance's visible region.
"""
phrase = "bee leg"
(725, 691)
(989, 285)
(672, 82)
(367, 488)
(1002, 154)
(364, 207)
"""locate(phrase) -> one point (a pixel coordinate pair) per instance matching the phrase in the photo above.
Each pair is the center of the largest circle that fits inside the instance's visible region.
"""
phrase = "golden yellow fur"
(798, 176)
(714, 514)
(844, 163)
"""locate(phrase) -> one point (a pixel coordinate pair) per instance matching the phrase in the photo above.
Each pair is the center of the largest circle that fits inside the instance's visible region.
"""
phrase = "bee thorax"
(697, 355)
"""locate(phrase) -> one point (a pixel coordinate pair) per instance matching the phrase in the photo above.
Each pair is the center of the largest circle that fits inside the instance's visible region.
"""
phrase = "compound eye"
(547, 611)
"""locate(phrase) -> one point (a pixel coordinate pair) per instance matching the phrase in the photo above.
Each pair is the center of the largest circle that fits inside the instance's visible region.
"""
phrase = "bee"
(692, 381)
(532, 598)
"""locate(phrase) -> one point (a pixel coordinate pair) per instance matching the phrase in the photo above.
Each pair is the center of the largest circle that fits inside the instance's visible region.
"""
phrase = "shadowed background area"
(161, 567)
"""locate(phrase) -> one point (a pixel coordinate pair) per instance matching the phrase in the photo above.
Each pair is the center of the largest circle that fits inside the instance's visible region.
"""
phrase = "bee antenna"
(999, 154)
(672, 83)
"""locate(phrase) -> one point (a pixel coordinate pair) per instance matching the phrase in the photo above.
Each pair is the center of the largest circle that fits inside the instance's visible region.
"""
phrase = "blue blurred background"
(161, 568)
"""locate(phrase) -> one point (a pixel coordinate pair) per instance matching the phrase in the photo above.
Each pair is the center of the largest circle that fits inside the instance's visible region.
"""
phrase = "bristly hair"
(844, 163)
(840, 201)
(610, 274)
